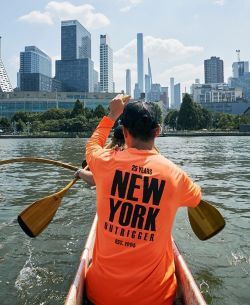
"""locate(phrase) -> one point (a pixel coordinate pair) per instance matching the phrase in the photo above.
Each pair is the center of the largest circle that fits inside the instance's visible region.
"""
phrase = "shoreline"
(165, 134)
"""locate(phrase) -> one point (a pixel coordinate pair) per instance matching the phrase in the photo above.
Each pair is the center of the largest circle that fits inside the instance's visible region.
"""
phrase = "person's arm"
(85, 175)
(189, 193)
(95, 144)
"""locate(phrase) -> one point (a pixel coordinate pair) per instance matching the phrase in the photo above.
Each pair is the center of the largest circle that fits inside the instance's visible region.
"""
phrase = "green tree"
(171, 118)
(78, 109)
(158, 112)
(188, 117)
(5, 124)
(54, 114)
(99, 111)
(225, 121)
(20, 126)
(20, 116)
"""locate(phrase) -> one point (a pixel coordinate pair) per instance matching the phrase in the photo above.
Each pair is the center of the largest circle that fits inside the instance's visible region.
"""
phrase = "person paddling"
(138, 194)
(117, 142)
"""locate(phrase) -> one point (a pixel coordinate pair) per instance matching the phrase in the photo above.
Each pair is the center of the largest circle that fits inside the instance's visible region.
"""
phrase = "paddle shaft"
(39, 160)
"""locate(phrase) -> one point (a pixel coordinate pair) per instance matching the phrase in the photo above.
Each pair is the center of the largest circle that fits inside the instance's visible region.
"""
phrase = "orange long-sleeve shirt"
(138, 194)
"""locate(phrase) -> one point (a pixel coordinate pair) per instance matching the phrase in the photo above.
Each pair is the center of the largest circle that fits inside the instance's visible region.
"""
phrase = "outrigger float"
(188, 291)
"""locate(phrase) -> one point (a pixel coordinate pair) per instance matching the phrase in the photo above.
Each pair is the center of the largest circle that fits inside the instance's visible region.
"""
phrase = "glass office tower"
(35, 70)
(75, 41)
(33, 60)
(75, 70)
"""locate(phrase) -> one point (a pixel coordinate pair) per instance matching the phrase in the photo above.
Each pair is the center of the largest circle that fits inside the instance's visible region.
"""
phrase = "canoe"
(188, 292)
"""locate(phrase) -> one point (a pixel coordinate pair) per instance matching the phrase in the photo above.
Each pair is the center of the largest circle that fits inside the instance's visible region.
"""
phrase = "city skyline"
(176, 46)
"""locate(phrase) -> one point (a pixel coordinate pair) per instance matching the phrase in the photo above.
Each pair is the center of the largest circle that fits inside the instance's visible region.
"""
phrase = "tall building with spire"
(106, 64)
(5, 85)
(140, 69)
(148, 82)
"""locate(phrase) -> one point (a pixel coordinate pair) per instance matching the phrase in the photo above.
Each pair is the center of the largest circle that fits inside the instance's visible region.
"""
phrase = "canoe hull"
(188, 291)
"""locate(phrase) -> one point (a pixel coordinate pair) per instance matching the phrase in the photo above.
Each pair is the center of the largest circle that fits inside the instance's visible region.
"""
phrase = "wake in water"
(30, 275)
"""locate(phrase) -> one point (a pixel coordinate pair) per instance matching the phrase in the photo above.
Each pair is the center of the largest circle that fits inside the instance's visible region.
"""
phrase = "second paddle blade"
(206, 221)
(36, 217)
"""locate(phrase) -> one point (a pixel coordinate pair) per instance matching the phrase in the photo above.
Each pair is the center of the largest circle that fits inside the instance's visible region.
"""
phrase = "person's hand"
(117, 105)
(77, 174)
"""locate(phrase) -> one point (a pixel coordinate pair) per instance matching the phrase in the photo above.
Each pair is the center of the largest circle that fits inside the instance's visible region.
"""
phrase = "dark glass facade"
(33, 60)
(35, 82)
(214, 70)
(75, 75)
(75, 41)
(75, 69)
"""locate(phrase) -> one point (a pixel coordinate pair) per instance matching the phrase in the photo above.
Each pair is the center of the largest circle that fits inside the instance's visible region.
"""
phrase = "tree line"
(192, 116)
(79, 119)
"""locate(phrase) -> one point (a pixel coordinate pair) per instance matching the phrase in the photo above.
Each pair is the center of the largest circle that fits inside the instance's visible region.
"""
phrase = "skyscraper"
(5, 85)
(140, 69)
(240, 68)
(177, 96)
(128, 82)
(106, 64)
(35, 70)
(76, 69)
(148, 82)
(137, 92)
(75, 41)
(214, 70)
(171, 92)
(33, 60)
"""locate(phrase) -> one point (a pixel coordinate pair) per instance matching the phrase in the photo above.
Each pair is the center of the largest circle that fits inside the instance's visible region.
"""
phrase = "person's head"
(140, 120)
(118, 137)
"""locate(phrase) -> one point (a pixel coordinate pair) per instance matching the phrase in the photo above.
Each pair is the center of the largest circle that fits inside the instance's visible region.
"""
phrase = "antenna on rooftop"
(238, 55)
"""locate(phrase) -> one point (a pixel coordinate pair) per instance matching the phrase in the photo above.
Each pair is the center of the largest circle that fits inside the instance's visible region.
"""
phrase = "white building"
(215, 93)
(106, 65)
(5, 85)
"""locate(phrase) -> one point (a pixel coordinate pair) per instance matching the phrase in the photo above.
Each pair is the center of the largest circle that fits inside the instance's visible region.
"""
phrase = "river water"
(39, 271)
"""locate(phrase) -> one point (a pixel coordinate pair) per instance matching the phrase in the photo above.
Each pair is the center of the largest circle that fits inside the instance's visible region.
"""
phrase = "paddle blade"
(36, 217)
(206, 221)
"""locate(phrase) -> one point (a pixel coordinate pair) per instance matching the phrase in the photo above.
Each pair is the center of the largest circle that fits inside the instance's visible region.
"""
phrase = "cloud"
(130, 4)
(220, 2)
(55, 10)
(163, 49)
(184, 74)
(37, 17)
(168, 58)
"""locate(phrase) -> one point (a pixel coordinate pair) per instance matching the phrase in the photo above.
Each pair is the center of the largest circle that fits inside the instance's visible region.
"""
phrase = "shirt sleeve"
(95, 144)
(189, 193)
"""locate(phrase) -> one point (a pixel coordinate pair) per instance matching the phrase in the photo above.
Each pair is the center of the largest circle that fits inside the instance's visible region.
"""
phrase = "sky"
(178, 35)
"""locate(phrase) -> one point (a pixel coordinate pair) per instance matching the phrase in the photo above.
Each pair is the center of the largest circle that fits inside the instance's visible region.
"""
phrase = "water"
(39, 271)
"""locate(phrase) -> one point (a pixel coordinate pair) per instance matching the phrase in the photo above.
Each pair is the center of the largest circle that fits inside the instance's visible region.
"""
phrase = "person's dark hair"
(140, 118)
(118, 137)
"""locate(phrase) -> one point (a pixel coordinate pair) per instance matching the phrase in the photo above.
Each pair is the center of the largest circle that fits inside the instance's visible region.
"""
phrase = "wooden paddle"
(36, 217)
(41, 160)
(206, 221)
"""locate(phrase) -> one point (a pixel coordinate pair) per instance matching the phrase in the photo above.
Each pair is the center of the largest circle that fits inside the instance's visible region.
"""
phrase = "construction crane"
(238, 55)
